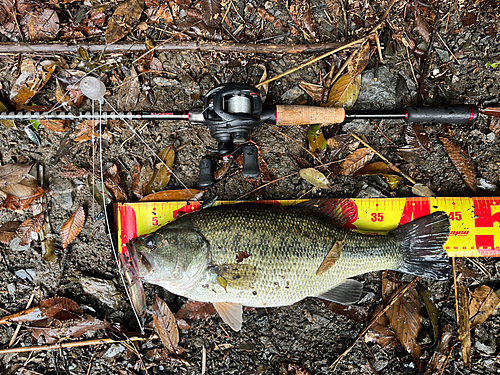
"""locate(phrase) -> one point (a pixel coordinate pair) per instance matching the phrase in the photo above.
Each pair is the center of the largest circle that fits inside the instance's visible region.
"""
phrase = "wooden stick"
(383, 311)
(49, 49)
(354, 44)
(73, 344)
(389, 164)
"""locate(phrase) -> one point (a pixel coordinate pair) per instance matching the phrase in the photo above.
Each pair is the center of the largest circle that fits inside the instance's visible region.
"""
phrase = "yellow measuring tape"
(475, 222)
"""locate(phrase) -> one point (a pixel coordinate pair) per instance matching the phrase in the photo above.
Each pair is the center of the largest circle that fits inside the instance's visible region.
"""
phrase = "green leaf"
(315, 177)
(316, 138)
(35, 124)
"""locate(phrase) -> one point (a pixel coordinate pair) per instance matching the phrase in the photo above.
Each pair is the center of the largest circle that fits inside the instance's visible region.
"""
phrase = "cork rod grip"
(307, 115)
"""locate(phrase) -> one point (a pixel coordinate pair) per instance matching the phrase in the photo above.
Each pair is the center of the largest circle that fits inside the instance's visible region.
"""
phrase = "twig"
(74, 344)
(389, 164)
(50, 49)
(303, 65)
(379, 48)
(382, 312)
(382, 20)
(448, 48)
(18, 328)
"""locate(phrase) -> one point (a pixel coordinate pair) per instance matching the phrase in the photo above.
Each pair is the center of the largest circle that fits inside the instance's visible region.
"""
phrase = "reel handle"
(250, 162)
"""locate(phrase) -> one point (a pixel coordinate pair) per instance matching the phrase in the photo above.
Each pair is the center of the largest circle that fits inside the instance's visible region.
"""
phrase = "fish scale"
(286, 247)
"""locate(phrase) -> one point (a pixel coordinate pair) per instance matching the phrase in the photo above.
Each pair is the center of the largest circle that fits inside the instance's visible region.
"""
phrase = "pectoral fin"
(231, 313)
(345, 293)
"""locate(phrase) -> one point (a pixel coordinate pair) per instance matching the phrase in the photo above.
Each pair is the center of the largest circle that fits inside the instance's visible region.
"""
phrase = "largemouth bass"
(265, 256)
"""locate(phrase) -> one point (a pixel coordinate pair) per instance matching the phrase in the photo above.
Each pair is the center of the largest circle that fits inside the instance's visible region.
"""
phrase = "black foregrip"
(453, 114)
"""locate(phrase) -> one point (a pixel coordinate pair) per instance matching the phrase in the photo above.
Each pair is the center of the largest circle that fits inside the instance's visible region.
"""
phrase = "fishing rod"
(232, 111)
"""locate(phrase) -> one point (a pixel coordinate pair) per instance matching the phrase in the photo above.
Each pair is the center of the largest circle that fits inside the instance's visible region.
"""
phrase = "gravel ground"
(307, 333)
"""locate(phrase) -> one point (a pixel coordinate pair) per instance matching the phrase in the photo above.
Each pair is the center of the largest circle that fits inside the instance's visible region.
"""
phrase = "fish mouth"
(140, 260)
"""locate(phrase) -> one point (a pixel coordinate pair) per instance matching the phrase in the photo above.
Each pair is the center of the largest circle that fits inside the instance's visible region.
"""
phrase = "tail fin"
(422, 243)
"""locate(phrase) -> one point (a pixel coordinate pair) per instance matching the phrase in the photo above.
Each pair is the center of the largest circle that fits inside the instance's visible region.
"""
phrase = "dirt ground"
(460, 69)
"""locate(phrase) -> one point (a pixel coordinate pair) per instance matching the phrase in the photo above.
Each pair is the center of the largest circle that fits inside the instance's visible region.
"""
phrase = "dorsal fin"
(340, 210)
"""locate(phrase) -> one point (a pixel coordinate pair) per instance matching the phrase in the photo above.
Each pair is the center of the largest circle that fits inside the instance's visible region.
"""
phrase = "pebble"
(443, 55)
(358, 127)
(62, 191)
(11, 288)
(379, 94)
(28, 274)
(367, 191)
(113, 351)
(484, 342)
(292, 94)
(15, 245)
(104, 290)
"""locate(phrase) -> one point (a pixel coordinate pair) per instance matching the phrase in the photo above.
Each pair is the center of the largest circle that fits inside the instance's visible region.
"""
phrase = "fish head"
(172, 258)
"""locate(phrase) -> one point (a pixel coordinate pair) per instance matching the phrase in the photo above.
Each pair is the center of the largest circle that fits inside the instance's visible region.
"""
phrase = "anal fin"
(346, 293)
(231, 313)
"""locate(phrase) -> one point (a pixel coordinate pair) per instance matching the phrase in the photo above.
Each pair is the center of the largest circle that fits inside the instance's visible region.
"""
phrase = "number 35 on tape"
(474, 232)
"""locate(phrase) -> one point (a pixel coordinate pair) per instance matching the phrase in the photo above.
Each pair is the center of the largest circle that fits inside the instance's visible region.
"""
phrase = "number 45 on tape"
(475, 222)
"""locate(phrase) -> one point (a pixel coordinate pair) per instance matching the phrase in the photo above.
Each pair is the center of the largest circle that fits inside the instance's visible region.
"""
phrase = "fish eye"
(150, 242)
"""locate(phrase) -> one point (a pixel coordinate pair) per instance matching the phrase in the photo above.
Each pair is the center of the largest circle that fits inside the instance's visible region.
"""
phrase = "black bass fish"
(264, 256)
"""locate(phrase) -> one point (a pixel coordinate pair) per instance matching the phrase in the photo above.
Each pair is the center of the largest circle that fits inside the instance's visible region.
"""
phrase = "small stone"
(366, 191)
(358, 127)
(292, 94)
(455, 79)
(435, 71)
(104, 290)
(11, 288)
(490, 137)
(166, 82)
(27, 274)
(379, 94)
(62, 189)
(443, 55)
(15, 245)
(484, 342)
(380, 365)
(113, 351)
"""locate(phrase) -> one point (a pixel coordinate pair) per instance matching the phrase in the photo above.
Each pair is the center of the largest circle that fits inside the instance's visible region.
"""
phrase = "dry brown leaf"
(469, 19)
(123, 20)
(379, 167)
(137, 187)
(14, 203)
(315, 177)
(344, 92)
(85, 129)
(404, 316)
(73, 226)
(423, 28)
(313, 90)
(359, 61)
(483, 303)
(294, 369)
(461, 161)
(174, 195)
(495, 126)
(29, 227)
(265, 15)
(241, 255)
(380, 332)
(16, 180)
(8, 231)
(356, 160)
(162, 12)
(56, 319)
(56, 125)
(331, 258)
(31, 80)
(417, 138)
(165, 325)
(301, 15)
(40, 24)
(352, 312)
(194, 310)
(128, 94)
(439, 357)
(211, 11)
(113, 184)
(221, 172)
(6, 123)
(464, 323)
(161, 174)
